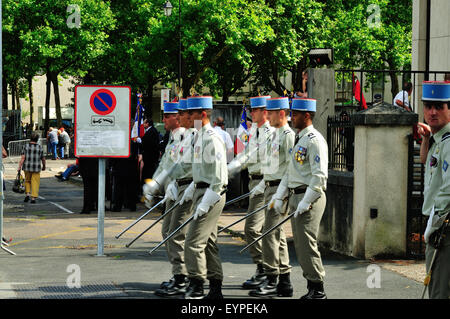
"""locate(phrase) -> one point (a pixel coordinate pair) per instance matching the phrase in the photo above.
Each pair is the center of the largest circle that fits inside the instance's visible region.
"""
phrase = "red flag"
(357, 92)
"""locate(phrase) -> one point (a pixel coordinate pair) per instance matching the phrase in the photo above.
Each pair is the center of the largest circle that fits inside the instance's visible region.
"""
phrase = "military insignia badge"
(433, 161)
(300, 155)
(445, 166)
(275, 148)
(197, 152)
(244, 137)
(317, 159)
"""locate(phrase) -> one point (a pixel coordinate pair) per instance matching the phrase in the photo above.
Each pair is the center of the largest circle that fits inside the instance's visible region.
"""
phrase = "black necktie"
(297, 138)
(431, 142)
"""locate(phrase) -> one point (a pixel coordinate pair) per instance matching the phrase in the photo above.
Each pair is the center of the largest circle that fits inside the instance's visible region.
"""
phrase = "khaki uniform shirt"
(437, 174)
(171, 153)
(210, 161)
(308, 163)
(255, 152)
(279, 147)
(183, 168)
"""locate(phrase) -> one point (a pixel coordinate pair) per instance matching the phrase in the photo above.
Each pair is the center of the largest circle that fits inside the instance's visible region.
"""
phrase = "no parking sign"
(102, 121)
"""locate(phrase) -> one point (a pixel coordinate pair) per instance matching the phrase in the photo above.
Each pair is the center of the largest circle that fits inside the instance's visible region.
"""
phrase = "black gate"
(341, 142)
(416, 222)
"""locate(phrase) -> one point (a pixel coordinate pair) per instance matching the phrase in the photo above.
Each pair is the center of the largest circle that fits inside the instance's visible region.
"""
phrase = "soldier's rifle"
(140, 218)
(154, 223)
(243, 218)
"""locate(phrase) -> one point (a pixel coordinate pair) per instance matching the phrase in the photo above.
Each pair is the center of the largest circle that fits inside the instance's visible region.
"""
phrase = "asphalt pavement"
(57, 253)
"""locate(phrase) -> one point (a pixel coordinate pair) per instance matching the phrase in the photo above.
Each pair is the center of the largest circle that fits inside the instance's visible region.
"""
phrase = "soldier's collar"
(306, 130)
(438, 136)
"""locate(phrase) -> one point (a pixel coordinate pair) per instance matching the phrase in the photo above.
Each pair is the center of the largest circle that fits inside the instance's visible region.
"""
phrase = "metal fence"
(341, 142)
(15, 147)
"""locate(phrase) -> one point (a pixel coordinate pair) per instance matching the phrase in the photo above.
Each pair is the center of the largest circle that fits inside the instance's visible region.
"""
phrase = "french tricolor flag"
(242, 135)
(138, 127)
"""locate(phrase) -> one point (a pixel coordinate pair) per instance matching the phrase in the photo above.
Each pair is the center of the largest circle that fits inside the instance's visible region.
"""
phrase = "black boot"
(257, 279)
(166, 284)
(195, 289)
(215, 289)
(268, 288)
(176, 287)
(315, 291)
(284, 287)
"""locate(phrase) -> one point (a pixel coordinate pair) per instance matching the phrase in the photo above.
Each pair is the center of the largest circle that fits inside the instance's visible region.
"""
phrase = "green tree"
(57, 46)
(298, 26)
(371, 34)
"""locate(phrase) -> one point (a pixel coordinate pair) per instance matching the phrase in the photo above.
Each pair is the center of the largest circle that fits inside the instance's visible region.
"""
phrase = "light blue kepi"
(259, 101)
(199, 103)
(182, 105)
(170, 107)
(436, 91)
(305, 105)
(277, 103)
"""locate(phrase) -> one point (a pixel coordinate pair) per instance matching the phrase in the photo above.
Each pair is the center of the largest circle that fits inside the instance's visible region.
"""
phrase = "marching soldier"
(181, 176)
(207, 193)
(436, 204)
(305, 185)
(251, 158)
(160, 183)
(274, 245)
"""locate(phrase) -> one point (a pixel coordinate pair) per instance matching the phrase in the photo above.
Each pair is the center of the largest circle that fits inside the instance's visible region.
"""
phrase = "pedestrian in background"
(53, 140)
(32, 157)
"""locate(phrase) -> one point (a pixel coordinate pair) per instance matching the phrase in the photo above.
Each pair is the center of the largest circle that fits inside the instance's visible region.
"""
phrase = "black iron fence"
(341, 142)
(416, 222)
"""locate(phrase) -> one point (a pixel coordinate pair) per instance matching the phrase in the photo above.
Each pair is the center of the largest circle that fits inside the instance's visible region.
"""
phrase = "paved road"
(55, 245)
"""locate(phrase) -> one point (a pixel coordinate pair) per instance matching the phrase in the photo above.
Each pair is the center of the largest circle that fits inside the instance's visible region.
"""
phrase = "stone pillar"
(321, 87)
(380, 181)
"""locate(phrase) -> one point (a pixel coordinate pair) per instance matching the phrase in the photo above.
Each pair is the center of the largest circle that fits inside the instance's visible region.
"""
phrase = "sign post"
(102, 130)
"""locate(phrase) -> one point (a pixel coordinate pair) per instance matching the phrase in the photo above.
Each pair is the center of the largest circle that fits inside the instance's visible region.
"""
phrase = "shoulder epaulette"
(446, 136)
(311, 135)
(288, 132)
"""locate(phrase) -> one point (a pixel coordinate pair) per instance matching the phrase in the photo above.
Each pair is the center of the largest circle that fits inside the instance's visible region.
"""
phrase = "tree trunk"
(394, 84)
(16, 85)
(148, 101)
(13, 96)
(54, 79)
(4, 94)
(30, 95)
(47, 102)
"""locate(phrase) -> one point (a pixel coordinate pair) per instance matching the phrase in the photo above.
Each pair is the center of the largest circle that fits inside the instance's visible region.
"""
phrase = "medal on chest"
(300, 155)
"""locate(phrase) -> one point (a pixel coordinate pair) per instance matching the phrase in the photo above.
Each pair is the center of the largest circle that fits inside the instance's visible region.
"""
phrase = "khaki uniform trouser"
(274, 244)
(305, 229)
(439, 286)
(254, 224)
(201, 251)
(175, 246)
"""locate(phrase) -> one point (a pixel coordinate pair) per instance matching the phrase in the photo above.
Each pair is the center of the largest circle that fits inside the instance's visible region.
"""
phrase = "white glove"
(209, 199)
(149, 200)
(434, 223)
(138, 140)
(155, 185)
(172, 191)
(258, 189)
(305, 204)
(276, 202)
(233, 167)
(188, 194)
